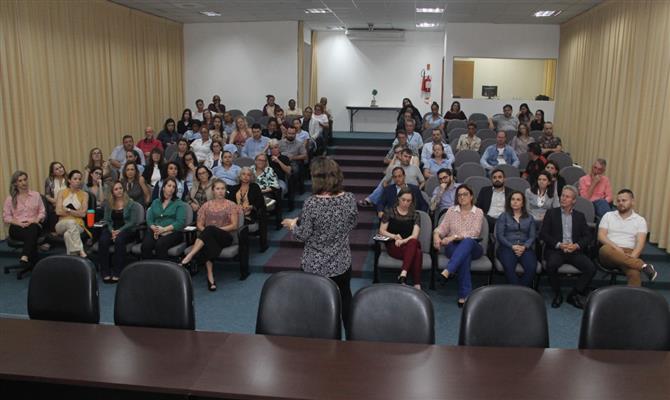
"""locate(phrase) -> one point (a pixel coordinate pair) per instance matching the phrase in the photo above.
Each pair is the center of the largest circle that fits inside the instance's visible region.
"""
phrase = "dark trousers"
(161, 246)
(215, 240)
(343, 283)
(556, 258)
(411, 256)
(119, 256)
(28, 236)
(528, 261)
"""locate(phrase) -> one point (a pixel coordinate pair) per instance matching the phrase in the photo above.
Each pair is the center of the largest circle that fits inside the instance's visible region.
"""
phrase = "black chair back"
(295, 303)
(64, 288)
(504, 316)
(154, 293)
(388, 312)
(625, 318)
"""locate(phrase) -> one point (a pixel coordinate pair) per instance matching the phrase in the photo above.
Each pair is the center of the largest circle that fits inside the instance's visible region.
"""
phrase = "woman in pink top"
(24, 211)
(216, 219)
(241, 133)
(458, 232)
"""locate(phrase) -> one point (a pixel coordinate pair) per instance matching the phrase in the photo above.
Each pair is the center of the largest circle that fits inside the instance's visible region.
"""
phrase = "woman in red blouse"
(216, 219)
(458, 232)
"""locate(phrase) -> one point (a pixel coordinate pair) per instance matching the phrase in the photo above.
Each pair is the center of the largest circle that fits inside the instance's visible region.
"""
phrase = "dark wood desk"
(353, 110)
(258, 367)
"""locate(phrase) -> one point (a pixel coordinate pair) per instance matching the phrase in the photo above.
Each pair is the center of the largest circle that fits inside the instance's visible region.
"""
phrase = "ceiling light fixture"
(336, 28)
(548, 13)
(317, 11)
(210, 13)
(429, 10)
(427, 25)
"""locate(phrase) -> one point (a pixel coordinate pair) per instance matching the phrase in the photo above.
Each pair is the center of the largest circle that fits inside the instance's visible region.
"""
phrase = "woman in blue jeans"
(515, 233)
(458, 233)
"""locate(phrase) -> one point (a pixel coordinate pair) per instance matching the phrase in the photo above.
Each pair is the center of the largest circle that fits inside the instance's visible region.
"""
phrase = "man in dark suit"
(390, 194)
(491, 199)
(566, 238)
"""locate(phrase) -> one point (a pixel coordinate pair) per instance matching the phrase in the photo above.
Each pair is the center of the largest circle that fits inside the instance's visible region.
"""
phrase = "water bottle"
(90, 217)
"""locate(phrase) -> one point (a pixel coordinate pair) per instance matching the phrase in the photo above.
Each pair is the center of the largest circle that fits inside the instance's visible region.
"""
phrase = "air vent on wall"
(387, 35)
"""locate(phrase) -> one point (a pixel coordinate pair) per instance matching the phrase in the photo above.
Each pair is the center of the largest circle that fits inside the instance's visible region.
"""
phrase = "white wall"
(525, 83)
(503, 41)
(349, 70)
(242, 62)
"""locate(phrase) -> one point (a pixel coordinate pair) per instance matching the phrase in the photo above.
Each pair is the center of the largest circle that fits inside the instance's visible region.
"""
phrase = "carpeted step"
(360, 185)
(287, 259)
(358, 172)
(359, 160)
(371, 151)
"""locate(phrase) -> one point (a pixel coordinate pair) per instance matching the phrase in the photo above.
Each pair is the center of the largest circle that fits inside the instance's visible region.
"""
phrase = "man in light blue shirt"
(256, 144)
(118, 156)
(193, 133)
(499, 154)
(227, 172)
(427, 151)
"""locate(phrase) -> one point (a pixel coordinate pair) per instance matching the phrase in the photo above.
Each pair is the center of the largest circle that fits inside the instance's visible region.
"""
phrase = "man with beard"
(491, 199)
(390, 194)
(444, 195)
(623, 234)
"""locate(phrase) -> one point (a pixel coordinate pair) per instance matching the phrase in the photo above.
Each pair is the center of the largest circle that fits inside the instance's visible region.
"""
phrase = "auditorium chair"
(468, 169)
(476, 183)
(295, 303)
(485, 144)
(516, 183)
(464, 156)
(388, 312)
(510, 171)
(562, 159)
(571, 174)
(504, 316)
(486, 133)
(139, 216)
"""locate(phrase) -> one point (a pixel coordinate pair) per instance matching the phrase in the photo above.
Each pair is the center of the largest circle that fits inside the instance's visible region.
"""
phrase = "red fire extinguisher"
(426, 82)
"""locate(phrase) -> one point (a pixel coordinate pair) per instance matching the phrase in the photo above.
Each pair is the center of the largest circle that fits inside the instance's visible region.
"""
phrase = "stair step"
(359, 160)
(371, 151)
(360, 185)
(357, 172)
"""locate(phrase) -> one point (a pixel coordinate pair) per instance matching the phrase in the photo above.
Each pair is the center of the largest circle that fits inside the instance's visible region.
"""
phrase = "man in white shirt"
(623, 234)
(427, 151)
(199, 109)
(118, 157)
(202, 147)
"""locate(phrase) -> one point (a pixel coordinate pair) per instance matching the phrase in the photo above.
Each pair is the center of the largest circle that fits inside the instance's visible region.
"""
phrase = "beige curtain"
(549, 77)
(80, 74)
(613, 100)
(313, 83)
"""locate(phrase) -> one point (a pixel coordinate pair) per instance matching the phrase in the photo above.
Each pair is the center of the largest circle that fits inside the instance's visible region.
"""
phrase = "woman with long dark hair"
(184, 123)
(155, 169)
(455, 112)
(169, 134)
(515, 233)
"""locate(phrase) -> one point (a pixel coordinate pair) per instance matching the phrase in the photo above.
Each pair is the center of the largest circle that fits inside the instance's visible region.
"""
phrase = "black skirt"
(215, 240)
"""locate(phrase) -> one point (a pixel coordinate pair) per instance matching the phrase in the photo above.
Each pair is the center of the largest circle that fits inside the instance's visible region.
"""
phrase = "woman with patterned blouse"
(265, 175)
(201, 191)
(402, 224)
(325, 222)
(216, 219)
(458, 232)
(248, 195)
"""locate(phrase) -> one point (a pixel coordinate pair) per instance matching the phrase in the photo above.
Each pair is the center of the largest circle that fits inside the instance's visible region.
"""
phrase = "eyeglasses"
(466, 194)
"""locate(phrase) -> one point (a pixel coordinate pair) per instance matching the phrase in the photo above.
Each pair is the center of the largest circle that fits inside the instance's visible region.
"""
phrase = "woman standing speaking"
(324, 225)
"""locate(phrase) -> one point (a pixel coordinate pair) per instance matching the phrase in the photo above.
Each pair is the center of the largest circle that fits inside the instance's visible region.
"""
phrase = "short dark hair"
(496, 170)
(400, 131)
(534, 148)
(126, 137)
(628, 191)
(195, 122)
(199, 101)
(398, 168)
(472, 124)
(445, 170)
(508, 106)
(256, 126)
(407, 151)
(71, 174)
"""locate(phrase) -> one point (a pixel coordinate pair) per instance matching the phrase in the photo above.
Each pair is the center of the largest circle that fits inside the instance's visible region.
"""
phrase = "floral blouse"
(267, 179)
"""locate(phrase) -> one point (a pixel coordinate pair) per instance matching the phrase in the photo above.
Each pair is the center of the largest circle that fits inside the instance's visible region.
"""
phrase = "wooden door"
(463, 79)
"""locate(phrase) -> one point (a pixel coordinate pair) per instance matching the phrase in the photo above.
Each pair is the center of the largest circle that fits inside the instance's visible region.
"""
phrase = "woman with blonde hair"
(240, 134)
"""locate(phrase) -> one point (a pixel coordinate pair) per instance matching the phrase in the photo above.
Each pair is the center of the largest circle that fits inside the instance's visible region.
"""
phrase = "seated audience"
(522, 139)
(134, 184)
(294, 150)
(95, 186)
(53, 185)
(557, 181)
(270, 107)
(427, 149)
(280, 164)
(455, 112)
(217, 218)
(282, 123)
(188, 167)
(95, 159)
(202, 147)
(207, 119)
(469, 140)
(201, 190)
(194, 131)
(499, 154)
(174, 171)
(155, 169)
(524, 115)
(400, 140)
(414, 138)
(119, 229)
(265, 176)
(549, 142)
(407, 116)
(24, 212)
(118, 156)
(165, 219)
(390, 193)
(257, 143)
(515, 233)
(241, 133)
(317, 124)
(272, 131)
(408, 106)
(437, 162)
(248, 195)
(596, 188)
(413, 174)
(199, 110)
(307, 118)
(169, 135)
(491, 199)
(149, 142)
(134, 157)
(444, 195)
(71, 208)
(563, 247)
(216, 107)
(458, 233)
(227, 171)
(182, 148)
(536, 162)
(292, 110)
(505, 121)
(396, 154)
(623, 234)
(541, 197)
(184, 123)
(216, 132)
(537, 124)
(216, 158)
(402, 224)
(228, 124)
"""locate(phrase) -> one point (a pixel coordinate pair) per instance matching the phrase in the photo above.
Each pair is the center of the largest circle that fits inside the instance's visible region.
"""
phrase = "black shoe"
(107, 279)
(577, 300)
(650, 271)
(211, 285)
(244, 275)
(402, 280)
(460, 303)
(558, 300)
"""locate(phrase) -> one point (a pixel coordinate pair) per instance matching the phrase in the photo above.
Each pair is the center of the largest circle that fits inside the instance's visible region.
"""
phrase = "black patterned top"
(324, 226)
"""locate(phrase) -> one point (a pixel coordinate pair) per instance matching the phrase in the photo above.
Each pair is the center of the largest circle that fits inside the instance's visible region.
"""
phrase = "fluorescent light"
(317, 11)
(430, 10)
(210, 13)
(548, 13)
(336, 28)
(427, 25)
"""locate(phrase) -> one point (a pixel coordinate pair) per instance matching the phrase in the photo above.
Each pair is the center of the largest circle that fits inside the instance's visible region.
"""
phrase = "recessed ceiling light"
(210, 13)
(430, 10)
(335, 28)
(548, 13)
(427, 25)
(317, 11)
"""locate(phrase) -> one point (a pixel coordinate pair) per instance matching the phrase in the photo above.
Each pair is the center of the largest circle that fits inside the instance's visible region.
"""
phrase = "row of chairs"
(159, 294)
